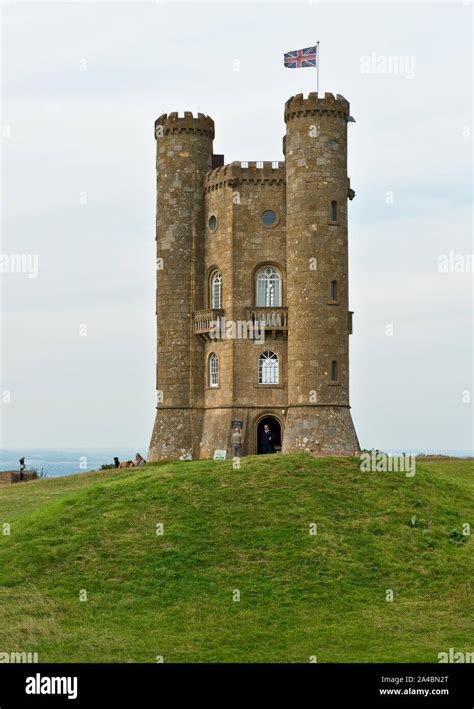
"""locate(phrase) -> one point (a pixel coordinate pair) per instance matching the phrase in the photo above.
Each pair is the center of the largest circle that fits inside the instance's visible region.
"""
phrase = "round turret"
(317, 263)
(183, 156)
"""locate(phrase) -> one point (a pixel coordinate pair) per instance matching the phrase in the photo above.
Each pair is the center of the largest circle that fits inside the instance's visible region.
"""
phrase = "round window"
(212, 222)
(269, 217)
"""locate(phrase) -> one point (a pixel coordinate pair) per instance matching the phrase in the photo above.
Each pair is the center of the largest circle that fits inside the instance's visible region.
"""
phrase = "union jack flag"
(301, 58)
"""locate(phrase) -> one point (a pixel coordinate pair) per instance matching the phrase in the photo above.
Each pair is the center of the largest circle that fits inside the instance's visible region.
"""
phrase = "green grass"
(247, 529)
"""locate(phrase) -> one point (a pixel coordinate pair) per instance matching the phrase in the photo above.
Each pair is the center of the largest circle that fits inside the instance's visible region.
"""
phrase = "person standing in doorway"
(266, 439)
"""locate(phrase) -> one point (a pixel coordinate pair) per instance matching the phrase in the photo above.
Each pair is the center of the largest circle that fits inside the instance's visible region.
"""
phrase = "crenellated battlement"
(174, 123)
(314, 104)
(236, 173)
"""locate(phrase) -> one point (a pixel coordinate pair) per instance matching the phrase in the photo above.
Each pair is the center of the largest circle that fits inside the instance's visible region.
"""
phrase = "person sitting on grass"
(139, 460)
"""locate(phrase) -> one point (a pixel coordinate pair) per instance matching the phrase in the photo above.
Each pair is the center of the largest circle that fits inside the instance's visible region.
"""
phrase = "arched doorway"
(275, 429)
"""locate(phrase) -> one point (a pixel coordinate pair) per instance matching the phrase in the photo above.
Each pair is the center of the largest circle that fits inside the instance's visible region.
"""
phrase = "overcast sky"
(82, 85)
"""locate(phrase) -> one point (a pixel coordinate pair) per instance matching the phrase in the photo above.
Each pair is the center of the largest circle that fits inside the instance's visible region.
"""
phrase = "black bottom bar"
(324, 685)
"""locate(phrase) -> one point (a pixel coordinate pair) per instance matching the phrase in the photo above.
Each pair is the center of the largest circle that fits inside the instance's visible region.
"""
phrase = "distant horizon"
(56, 462)
(108, 449)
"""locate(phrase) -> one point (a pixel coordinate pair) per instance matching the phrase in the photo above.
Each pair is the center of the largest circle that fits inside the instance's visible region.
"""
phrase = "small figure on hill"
(116, 462)
(139, 460)
(266, 439)
(22, 467)
(237, 443)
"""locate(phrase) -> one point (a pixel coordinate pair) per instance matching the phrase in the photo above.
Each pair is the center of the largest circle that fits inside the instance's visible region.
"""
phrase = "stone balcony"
(273, 319)
(203, 321)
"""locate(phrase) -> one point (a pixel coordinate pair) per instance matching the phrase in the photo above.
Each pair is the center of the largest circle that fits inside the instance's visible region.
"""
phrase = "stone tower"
(183, 156)
(249, 244)
(317, 189)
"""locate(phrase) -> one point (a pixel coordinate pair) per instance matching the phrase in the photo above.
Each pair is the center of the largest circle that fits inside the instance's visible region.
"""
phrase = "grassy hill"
(246, 530)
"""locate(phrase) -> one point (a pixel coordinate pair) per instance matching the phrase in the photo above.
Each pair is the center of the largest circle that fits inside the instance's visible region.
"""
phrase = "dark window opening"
(269, 217)
(333, 290)
(334, 371)
(212, 223)
(334, 211)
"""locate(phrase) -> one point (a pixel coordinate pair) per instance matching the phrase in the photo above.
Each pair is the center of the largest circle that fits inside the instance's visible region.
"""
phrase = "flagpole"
(317, 65)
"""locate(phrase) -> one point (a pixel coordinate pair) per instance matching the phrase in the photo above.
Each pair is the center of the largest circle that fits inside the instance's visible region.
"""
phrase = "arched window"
(334, 371)
(334, 211)
(216, 290)
(333, 290)
(213, 370)
(268, 368)
(268, 288)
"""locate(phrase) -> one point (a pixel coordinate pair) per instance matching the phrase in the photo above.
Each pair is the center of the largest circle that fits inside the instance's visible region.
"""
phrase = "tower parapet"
(174, 123)
(314, 104)
(236, 173)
